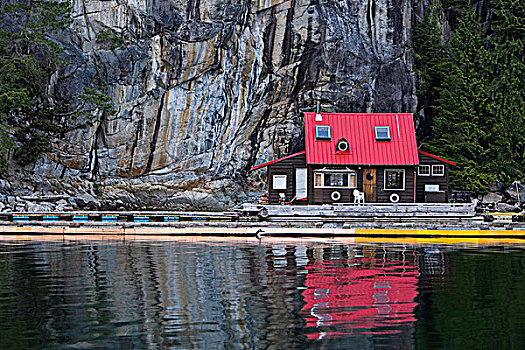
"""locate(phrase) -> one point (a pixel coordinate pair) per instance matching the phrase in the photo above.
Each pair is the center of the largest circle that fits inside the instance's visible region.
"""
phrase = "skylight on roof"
(322, 132)
(382, 133)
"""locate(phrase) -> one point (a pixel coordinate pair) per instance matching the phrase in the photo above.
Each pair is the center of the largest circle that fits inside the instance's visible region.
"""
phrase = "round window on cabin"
(369, 176)
(343, 145)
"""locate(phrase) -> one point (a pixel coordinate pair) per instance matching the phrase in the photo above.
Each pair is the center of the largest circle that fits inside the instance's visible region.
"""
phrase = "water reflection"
(371, 291)
(195, 293)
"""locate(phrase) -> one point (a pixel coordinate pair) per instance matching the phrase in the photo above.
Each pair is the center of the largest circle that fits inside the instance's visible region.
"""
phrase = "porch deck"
(363, 210)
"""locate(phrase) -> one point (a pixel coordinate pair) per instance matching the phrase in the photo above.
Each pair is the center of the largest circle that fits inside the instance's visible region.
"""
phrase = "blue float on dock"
(80, 218)
(140, 218)
(20, 218)
(109, 218)
(171, 218)
(50, 218)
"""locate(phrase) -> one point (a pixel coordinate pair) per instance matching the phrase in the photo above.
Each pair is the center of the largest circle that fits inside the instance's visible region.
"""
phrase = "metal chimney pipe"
(318, 116)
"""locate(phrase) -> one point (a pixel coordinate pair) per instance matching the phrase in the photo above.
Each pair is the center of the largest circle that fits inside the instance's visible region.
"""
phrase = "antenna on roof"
(318, 116)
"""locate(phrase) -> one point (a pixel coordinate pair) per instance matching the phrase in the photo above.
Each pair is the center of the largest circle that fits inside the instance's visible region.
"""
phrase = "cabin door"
(301, 183)
(369, 185)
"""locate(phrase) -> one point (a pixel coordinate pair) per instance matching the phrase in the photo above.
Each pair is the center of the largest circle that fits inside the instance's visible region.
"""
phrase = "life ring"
(394, 198)
(335, 196)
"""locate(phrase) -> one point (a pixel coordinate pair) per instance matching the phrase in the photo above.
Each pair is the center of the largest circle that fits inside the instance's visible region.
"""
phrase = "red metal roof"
(262, 165)
(358, 130)
(438, 158)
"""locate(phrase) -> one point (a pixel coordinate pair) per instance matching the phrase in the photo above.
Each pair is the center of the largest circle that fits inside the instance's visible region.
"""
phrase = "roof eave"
(367, 165)
(438, 158)
(262, 165)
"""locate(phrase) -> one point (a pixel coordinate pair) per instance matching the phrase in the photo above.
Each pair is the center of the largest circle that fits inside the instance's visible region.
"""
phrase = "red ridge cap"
(255, 167)
(438, 158)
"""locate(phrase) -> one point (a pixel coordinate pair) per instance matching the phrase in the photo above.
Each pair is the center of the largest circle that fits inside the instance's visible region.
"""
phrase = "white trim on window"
(379, 133)
(279, 182)
(323, 132)
(441, 172)
(423, 166)
(343, 145)
(385, 179)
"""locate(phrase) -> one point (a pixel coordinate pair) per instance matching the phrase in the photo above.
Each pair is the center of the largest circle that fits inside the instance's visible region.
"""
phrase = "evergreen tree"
(29, 115)
(430, 61)
(507, 107)
(474, 95)
(461, 121)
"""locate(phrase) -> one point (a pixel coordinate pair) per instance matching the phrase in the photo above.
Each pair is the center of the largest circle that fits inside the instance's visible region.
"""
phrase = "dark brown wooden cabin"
(347, 152)
(285, 176)
(432, 179)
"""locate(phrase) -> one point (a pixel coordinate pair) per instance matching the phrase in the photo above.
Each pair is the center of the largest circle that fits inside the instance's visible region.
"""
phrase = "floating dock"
(378, 220)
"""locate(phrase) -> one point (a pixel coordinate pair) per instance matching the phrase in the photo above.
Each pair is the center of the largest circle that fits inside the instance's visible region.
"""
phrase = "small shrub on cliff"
(29, 114)
(107, 36)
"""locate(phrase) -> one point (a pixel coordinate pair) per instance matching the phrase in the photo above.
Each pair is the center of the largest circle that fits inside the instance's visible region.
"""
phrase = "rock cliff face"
(204, 89)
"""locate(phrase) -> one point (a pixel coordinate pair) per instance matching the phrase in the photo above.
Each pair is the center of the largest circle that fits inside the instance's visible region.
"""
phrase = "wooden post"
(415, 185)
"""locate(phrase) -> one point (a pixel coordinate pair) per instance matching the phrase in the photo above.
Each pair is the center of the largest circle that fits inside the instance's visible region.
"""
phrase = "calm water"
(230, 293)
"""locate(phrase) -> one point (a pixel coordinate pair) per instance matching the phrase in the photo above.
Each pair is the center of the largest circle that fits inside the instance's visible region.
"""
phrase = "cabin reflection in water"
(372, 291)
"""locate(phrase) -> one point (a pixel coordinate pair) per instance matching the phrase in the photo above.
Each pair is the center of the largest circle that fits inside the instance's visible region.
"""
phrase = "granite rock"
(516, 191)
(491, 197)
(203, 90)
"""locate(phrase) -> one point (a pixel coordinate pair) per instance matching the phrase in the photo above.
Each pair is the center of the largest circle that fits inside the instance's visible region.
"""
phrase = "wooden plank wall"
(442, 181)
(405, 196)
(285, 167)
(322, 196)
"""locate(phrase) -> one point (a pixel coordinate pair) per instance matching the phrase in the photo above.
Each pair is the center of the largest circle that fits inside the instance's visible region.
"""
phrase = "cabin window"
(335, 179)
(322, 132)
(423, 170)
(394, 179)
(438, 170)
(343, 146)
(431, 188)
(279, 182)
(382, 133)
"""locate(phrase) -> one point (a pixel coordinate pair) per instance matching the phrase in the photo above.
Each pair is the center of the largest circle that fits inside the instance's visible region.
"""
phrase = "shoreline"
(463, 243)
(265, 230)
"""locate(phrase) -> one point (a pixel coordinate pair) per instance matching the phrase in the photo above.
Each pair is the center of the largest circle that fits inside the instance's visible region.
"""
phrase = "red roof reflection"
(356, 300)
